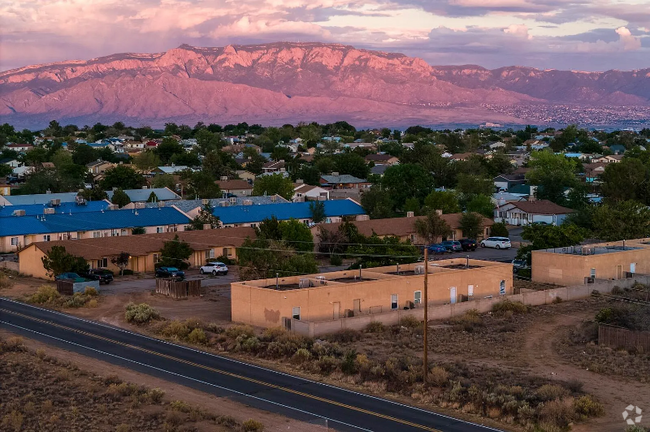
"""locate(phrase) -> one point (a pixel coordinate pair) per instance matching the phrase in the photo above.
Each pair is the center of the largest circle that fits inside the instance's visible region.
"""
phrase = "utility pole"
(426, 314)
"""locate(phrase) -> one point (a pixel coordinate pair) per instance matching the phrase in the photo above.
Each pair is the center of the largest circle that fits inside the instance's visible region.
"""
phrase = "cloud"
(629, 42)
(519, 30)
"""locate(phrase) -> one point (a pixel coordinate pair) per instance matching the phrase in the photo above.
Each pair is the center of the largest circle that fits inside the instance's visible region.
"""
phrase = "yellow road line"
(263, 383)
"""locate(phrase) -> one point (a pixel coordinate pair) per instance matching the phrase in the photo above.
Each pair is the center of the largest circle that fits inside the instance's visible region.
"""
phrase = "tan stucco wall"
(30, 262)
(565, 269)
(265, 307)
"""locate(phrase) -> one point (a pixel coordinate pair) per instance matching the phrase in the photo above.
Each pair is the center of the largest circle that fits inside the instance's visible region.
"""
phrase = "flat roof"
(591, 249)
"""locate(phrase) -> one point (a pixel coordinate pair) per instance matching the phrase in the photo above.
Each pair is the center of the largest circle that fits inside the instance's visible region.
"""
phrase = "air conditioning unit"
(590, 280)
(49, 210)
(139, 205)
(161, 204)
(274, 198)
(19, 213)
(233, 200)
(80, 201)
(247, 202)
(223, 203)
(419, 269)
(55, 202)
(304, 283)
(224, 178)
(321, 280)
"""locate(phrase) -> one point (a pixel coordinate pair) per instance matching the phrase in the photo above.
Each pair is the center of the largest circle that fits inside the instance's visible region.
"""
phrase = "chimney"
(410, 214)
(439, 212)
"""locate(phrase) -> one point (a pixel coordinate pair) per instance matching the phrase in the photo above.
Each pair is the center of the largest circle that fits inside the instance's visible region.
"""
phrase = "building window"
(14, 241)
(46, 237)
(160, 230)
(210, 253)
(592, 273)
(96, 234)
(393, 301)
(227, 252)
(295, 313)
(103, 262)
(470, 290)
(417, 297)
(156, 258)
(502, 288)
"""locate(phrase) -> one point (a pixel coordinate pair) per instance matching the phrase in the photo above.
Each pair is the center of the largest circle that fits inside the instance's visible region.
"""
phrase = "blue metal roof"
(66, 207)
(284, 211)
(90, 221)
(142, 195)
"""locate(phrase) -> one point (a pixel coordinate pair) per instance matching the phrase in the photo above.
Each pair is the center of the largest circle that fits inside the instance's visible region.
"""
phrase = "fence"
(620, 338)
(67, 287)
(446, 311)
(9, 265)
(179, 289)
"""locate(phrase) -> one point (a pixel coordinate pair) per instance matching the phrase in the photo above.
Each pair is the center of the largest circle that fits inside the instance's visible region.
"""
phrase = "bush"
(92, 303)
(156, 395)
(176, 329)
(127, 272)
(90, 291)
(197, 336)
(556, 413)
(344, 336)
(375, 327)
(349, 364)
(224, 259)
(467, 321)
(5, 282)
(235, 331)
(586, 407)
(439, 376)
(410, 321)
(617, 290)
(140, 313)
(44, 294)
(252, 426)
(507, 306)
(549, 392)
(301, 355)
(326, 364)
(336, 260)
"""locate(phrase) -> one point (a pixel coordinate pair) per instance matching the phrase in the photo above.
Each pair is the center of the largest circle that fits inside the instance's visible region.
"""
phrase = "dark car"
(170, 272)
(104, 276)
(452, 245)
(468, 244)
(70, 276)
(437, 249)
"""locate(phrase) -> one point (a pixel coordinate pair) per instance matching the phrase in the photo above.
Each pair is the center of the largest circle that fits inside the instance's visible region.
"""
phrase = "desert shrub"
(156, 395)
(410, 321)
(176, 329)
(235, 331)
(14, 344)
(631, 317)
(439, 376)
(467, 321)
(77, 300)
(345, 336)
(272, 333)
(197, 336)
(586, 407)
(140, 313)
(224, 259)
(214, 328)
(556, 413)
(123, 428)
(507, 306)
(180, 406)
(246, 343)
(326, 364)
(252, 426)
(5, 282)
(323, 348)
(301, 355)
(44, 294)
(375, 327)
(92, 303)
(557, 300)
(349, 364)
(336, 260)
(636, 428)
(549, 392)
(90, 291)
(173, 418)
(14, 420)
(574, 385)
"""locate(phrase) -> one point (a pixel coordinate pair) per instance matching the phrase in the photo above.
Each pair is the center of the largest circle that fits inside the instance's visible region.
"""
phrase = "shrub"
(301, 355)
(556, 413)
(575, 386)
(140, 313)
(439, 376)
(375, 327)
(197, 336)
(349, 364)
(44, 294)
(636, 428)
(176, 329)
(235, 331)
(345, 336)
(505, 306)
(467, 321)
(15, 344)
(273, 333)
(156, 395)
(180, 406)
(127, 272)
(224, 259)
(5, 282)
(326, 364)
(92, 303)
(90, 291)
(249, 344)
(336, 260)
(173, 418)
(549, 392)
(252, 426)
(410, 321)
(617, 290)
(586, 407)
(557, 300)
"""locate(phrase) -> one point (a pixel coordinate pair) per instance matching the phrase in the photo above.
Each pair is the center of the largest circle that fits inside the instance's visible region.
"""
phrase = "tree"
(205, 217)
(57, 260)
(481, 204)
(404, 181)
(352, 164)
(273, 184)
(120, 198)
(446, 201)
(207, 141)
(84, 154)
(317, 210)
(375, 251)
(263, 258)
(168, 148)
(499, 229)
(470, 184)
(621, 221)
(377, 203)
(146, 160)
(297, 235)
(552, 174)
(123, 177)
(152, 197)
(309, 174)
(138, 231)
(121, 261)
(549, 236)
(200, 185)
(94, 194)
(471, 224)
(175, 253)
(432, 227)
(164, 180)
(626, 180)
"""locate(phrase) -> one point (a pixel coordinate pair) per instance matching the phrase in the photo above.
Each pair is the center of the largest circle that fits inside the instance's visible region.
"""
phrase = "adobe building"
(577, 265)
(330, 296)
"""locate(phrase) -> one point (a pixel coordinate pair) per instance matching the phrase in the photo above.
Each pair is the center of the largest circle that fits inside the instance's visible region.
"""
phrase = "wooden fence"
(620, 338)
(179, 289)
(65, 287)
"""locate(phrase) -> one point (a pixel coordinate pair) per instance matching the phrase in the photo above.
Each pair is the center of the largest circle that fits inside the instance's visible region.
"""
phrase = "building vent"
(419, 269)
(321, 280)
(304, 283)
(233, 200)
(55, 202)
(362, 217)
(80, 201)
(410, 214)
(274, 198)
(335, 174)
(247, 202)
(19, 213)
(113, 207)
(139, 205)
(161, 204)
(49, 210)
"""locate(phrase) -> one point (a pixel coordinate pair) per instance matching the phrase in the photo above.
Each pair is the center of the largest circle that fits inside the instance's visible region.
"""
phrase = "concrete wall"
(442, 312)
(9, 265)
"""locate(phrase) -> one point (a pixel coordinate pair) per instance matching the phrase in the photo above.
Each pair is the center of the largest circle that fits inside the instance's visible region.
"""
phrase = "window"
(592, 273)
(227, 252)
(393, 301)
(14, 241)
(417, 297)
(502, 288)
(46, 237)
(632, 267)
(96, 234)
(160, 230)
(295, 313)
(470, 290)
(103, 262)
(210, 253)
(156, 258)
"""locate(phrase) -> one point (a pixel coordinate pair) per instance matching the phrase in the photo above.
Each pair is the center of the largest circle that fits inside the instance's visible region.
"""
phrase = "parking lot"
(148, 282)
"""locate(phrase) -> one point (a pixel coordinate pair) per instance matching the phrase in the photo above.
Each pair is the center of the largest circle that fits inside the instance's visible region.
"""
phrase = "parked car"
(452, 245)
(170, 272)
(104, 276)
(437, 249)
(497, 243)
(70, 276)
(519, 264)
(468, 244)
(214, 268)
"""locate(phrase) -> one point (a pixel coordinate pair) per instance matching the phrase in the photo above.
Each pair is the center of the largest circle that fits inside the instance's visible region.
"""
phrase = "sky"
(587, 35)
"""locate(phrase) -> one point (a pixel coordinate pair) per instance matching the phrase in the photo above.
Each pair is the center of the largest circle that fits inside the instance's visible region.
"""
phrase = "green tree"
(84, 154)
(94, 194)
(446, 201)
(552, 174)
(626, 180)
(167, 149)
(375, 251)
(121, 261)
(621, 221)
(432, 227)
(207, 141)
(481, 204)
(164, 180)
(200, 185)
(123, 177)
(138, 231)
(57, 260)
(377, 203)
(120, 198)
(205, 217)
(471, 224)
(352, 164)
(317, 210)
(146, 160)
(499, 229)
(175, 253)
(309, 174)
(469, 184)
(297, 235)
(263, 258)
(404, 181)
(549, 236)
(273, 184)
(152, 197)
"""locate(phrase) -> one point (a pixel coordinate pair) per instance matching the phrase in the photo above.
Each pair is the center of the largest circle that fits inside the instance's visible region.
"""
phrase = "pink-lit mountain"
(291, 82)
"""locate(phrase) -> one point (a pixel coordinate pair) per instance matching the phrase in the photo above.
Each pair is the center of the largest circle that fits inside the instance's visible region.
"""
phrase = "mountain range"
(285, 82)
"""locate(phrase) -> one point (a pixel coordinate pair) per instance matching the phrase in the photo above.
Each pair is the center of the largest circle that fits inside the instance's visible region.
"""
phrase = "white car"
(214, 268)
(497, 243)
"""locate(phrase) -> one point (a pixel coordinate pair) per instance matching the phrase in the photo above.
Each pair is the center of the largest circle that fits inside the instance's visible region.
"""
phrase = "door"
(470, 290)
(619, 272)
(632, 268)
(337, 310)
(452, 295)
(356, 305)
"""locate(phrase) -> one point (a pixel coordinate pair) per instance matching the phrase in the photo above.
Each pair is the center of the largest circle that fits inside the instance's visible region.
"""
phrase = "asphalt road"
(306, 400)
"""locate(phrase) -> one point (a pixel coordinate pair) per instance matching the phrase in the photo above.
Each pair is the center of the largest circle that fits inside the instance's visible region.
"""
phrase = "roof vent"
(113, 207)
(247, 202)
(49, 210)
(19, 213)
(223, 203)
(335, 173)
(139, 205)
(55, 202)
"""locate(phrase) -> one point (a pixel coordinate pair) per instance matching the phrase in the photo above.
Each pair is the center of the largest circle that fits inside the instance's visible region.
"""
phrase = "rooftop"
(63, 208)
(142, 195)
(40, 198)
(598, 249)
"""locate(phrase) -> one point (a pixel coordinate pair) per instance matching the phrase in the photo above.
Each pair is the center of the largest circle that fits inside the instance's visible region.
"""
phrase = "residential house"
(235, 187)
(13, 163)
(382, 159)
(99, 167)
(171, 169)
(593, 171)
(304, 192)
(245, 175)
(20, 148)
(273, 166)
(528, 212)
(608, 159)
(504, 182)
(42, 199)
(497, 145)
(460, 156)
(379, 170)
(345, 181)
(617, 149)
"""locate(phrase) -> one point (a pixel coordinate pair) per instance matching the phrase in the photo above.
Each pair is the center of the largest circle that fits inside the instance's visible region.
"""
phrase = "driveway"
(488, 254)
(148, 282)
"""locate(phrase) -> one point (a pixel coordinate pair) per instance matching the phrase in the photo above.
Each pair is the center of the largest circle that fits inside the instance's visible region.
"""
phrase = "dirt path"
(615, 393)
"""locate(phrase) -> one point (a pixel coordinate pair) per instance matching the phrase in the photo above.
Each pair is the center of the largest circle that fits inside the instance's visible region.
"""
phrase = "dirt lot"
(527, 349)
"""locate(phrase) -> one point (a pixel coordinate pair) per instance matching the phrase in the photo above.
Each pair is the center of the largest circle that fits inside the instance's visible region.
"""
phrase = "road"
(262, 388)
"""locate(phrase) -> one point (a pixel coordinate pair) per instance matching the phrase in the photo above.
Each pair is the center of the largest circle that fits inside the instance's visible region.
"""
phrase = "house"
(504, 182)
(13, 163)
(63, 208)
(401, 227)
(608, 159)
(20, 148)
(304, 192)
(21, 230)
(382, 159)
(191, 208)
(497, 145)
(273, 166)
(593, 171)
(245, 175)
(527, 212)
(584, 264)
(379, 170)
(345, 181)
(99, 167)
(5, 189)
(617, 149)
(459, 156)
(22, 171)
(144, 250)
(235, 186)
(143, 195)
(379, 293)
(251, 215)
(171, 169)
